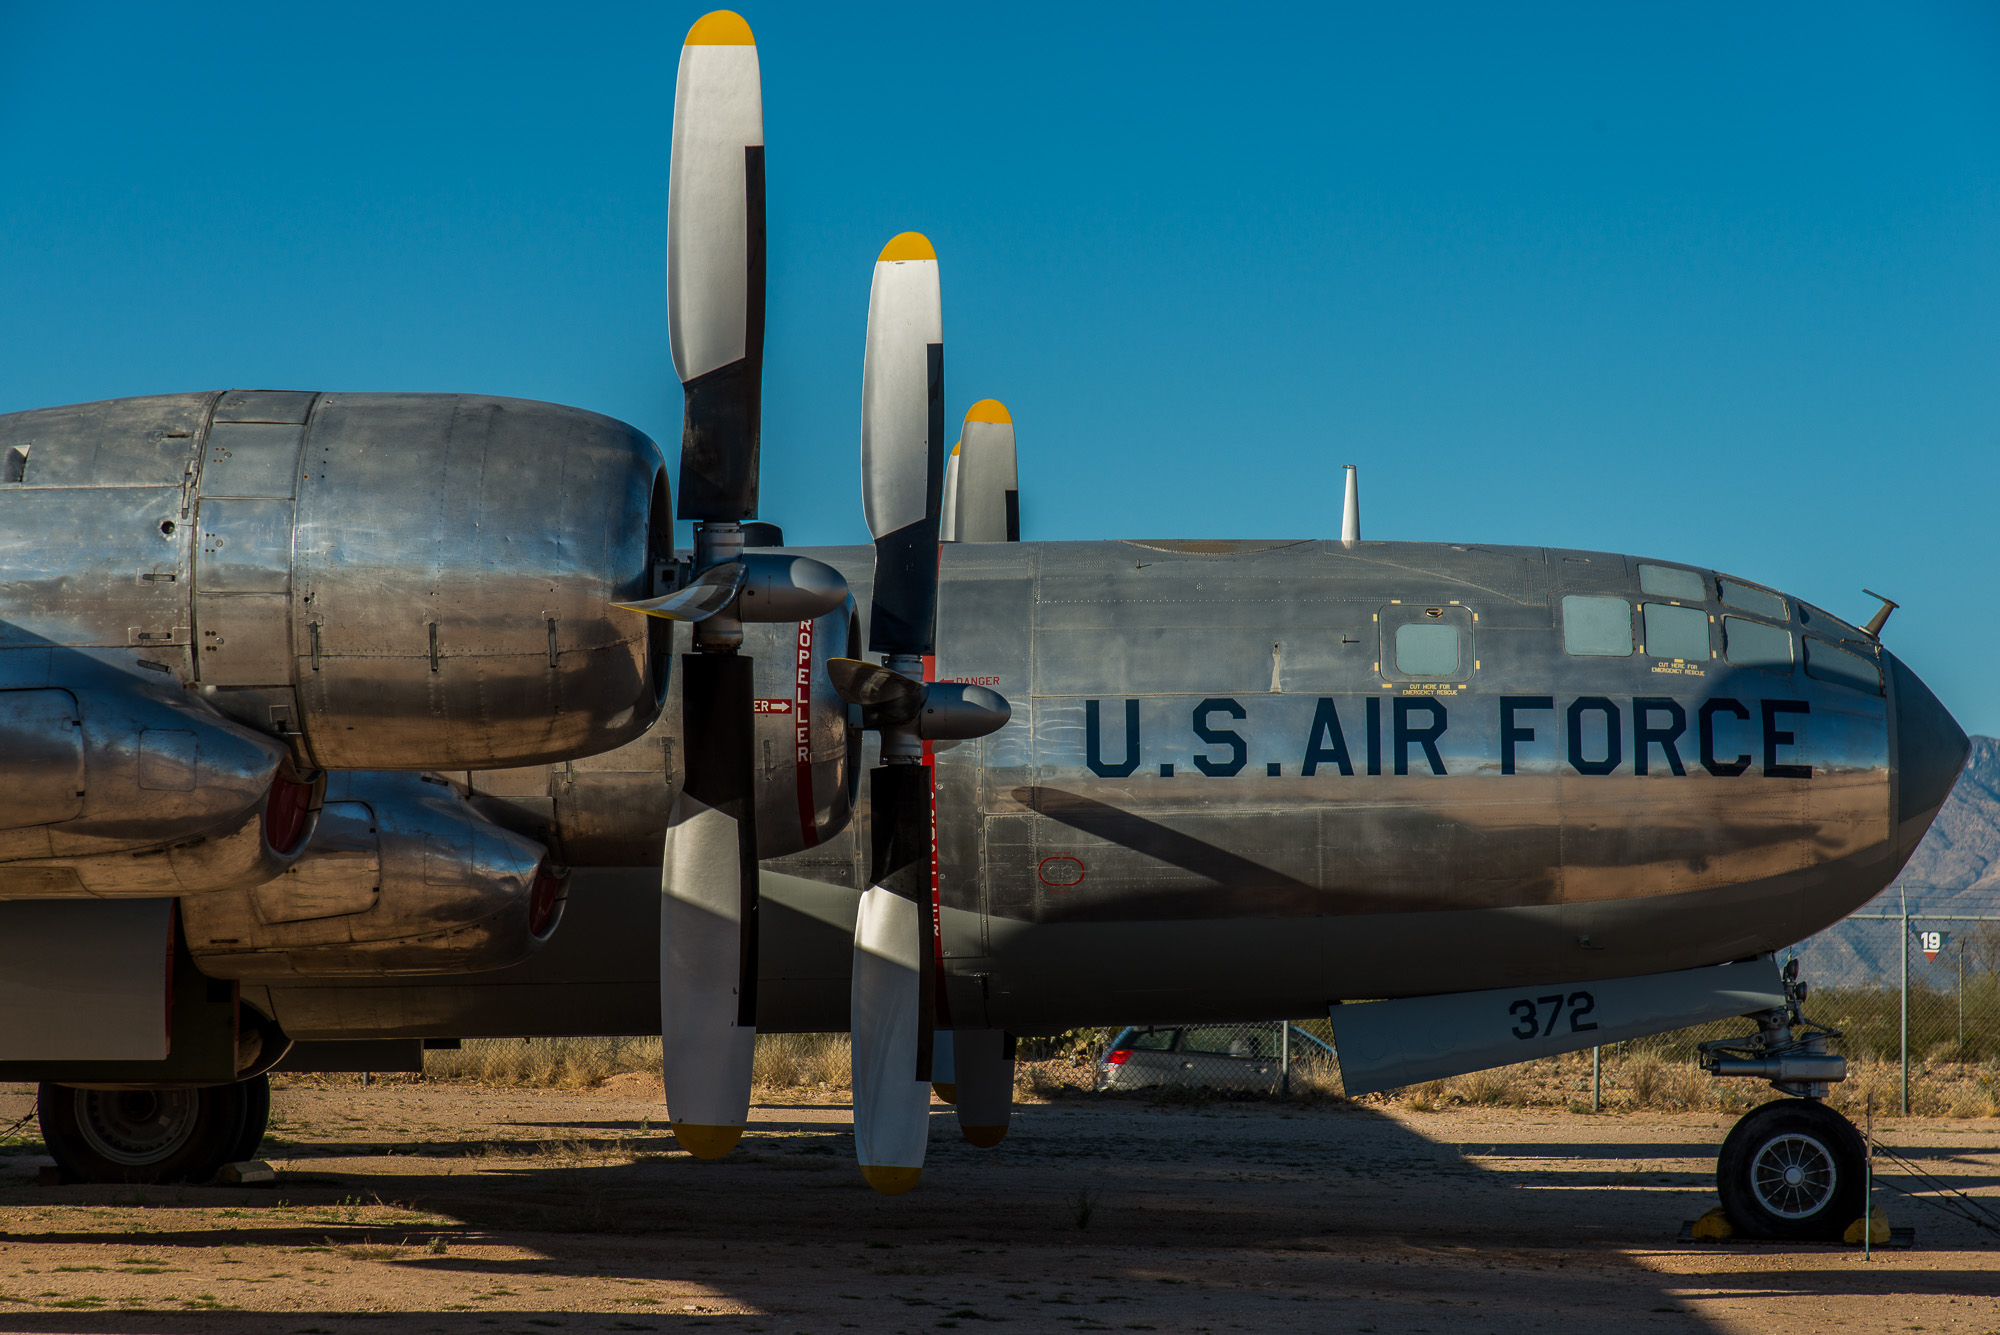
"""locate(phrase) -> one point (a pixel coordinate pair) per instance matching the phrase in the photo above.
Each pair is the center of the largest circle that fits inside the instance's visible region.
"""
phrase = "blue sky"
(1713, 283)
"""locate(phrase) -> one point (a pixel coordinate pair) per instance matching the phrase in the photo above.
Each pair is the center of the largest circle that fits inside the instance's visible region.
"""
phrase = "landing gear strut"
(154, 1134)
(1793, 1168)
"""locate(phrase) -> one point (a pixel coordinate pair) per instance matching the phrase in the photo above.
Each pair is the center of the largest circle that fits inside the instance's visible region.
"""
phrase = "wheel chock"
(1712, 1227)
(248, 1173)
(1875, 1227)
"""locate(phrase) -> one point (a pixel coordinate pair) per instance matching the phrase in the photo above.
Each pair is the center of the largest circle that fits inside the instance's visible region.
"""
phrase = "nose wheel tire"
(1792, 1169)
(152, 1135)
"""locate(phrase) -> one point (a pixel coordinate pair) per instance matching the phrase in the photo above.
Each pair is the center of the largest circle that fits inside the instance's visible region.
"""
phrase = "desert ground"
(433, 1207)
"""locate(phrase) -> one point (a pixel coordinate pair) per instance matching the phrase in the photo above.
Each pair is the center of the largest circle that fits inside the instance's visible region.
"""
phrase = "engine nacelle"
(611, 810)
(402, 877)
(116, 791)
(397, 581)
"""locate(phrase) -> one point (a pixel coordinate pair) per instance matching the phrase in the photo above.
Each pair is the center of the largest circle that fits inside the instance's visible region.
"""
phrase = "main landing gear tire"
(152, 1135)
(1792, 1169)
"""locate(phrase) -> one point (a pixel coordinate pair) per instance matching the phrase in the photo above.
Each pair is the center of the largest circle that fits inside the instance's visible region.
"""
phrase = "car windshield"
(1151, 1040)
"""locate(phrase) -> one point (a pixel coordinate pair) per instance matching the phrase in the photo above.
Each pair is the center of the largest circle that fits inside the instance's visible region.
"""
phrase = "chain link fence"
(1912, 981)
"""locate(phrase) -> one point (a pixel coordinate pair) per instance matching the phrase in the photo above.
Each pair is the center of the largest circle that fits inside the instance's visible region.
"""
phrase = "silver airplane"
(333, 724)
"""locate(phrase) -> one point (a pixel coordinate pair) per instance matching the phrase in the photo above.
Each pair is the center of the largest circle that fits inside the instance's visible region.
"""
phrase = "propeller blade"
(715, 266)
(982, 1084)
(902, 443)
(708, 911)
(891, 1098)
(986, 504)
(710, 592)
(944, 1077)
(715, 304)
(888, 699)
(948, 510)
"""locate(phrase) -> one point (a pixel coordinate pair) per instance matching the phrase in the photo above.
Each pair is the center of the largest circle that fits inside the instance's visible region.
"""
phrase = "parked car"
(1209, 1056)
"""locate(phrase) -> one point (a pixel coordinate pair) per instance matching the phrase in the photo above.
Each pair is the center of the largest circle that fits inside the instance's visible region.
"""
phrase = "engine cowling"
(397, 581)
(402, 877)
(116, 790)
(610, 810)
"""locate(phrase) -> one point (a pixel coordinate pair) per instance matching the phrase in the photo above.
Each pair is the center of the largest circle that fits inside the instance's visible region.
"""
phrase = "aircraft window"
(1230, 1040)
(1760, 601)
(1154, 1040)
(1672, 582)
(1830, 624)
(1754, 644)
(1597, 626)
(1676, 632)
(1837, 665)
(1424, 650)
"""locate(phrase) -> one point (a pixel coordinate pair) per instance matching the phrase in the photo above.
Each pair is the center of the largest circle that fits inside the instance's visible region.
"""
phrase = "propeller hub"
(717, 542)
(902, 745)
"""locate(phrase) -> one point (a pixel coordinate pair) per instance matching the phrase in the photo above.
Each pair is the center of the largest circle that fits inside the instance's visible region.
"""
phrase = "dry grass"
(367, 1251)
(1038, 1082)
(1498, 1088)
(803, 1061)
(543, 1063)
(1427, 1097)
(783, 1061)
(1940, 1086)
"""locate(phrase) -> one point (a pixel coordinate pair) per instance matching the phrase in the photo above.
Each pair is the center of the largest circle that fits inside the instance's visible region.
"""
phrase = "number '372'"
(1531, 1014)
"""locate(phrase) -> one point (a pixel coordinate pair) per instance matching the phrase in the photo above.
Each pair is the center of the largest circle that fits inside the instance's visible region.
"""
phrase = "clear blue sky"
(1716, 283)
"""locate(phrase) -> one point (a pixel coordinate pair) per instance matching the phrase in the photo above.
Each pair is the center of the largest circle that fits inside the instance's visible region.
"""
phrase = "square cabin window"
(1426, 651)
(1752, 599)
(1754, 644)
(1672, 582)
(1827, 663)
(1676, 632)
(1598, 627)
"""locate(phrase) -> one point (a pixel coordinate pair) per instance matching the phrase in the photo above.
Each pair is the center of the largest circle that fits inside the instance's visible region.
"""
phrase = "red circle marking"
(1061, 871)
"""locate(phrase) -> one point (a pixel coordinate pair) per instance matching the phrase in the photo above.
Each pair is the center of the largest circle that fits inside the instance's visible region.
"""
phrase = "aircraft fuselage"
(1244, 779)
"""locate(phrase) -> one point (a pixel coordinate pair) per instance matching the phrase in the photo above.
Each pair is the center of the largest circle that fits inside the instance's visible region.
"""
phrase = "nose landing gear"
(1793, 1168)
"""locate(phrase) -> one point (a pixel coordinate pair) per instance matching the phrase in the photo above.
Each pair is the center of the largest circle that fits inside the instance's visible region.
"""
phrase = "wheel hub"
(1793, 1175)
(139, 1127)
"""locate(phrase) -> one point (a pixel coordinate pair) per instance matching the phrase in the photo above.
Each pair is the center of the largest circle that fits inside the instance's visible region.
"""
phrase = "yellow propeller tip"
(890, 1181)
(985, 1137)
(907, 246)
(707, 1142)
(988, 410)
(723, 27)
(946, 1091)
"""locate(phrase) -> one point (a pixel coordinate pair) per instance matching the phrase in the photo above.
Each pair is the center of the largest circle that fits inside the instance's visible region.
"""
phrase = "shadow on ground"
(575, 1214)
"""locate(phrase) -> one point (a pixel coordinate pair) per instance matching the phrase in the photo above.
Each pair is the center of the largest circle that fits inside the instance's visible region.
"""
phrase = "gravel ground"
(450, 1208)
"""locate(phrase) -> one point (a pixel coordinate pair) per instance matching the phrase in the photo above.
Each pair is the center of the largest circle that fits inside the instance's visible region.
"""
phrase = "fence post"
(1596, 1056)
(1904, 1044)
(1285, 1056)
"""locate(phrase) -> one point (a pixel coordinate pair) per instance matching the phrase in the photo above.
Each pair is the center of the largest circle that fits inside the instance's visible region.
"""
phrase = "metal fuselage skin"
(1219, 797)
